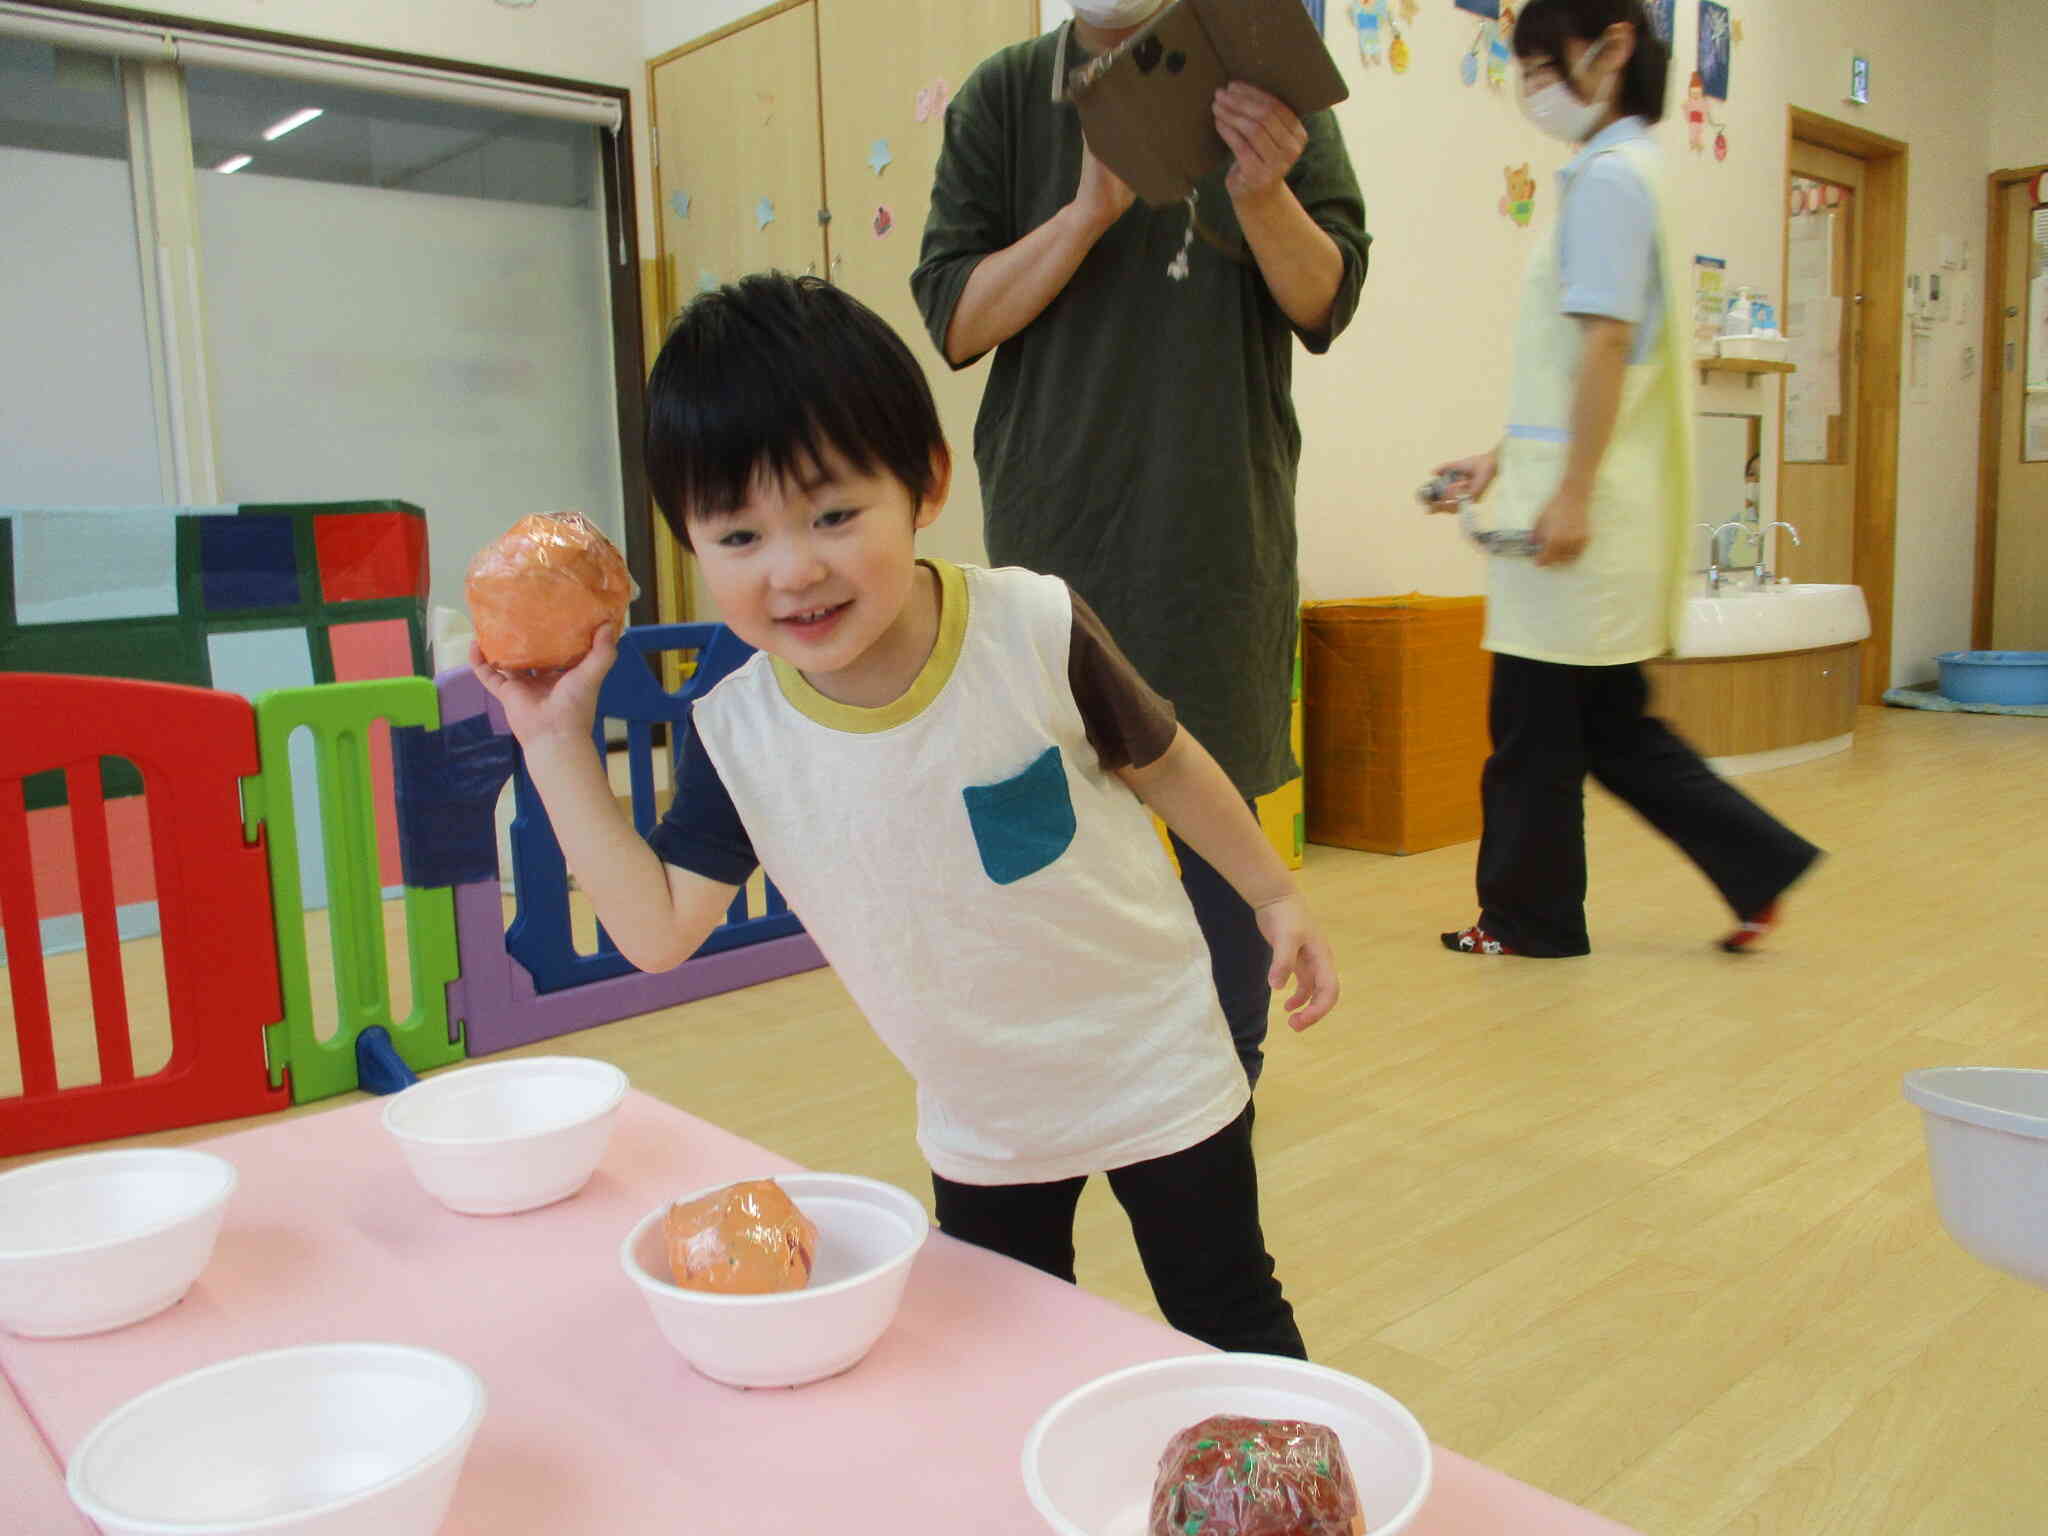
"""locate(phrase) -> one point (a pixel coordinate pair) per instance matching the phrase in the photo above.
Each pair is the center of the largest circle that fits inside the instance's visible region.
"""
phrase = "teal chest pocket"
(1023, 824)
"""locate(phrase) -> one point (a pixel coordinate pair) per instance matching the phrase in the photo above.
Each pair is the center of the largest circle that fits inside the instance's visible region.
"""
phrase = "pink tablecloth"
(32, 1494)
(594, 1424)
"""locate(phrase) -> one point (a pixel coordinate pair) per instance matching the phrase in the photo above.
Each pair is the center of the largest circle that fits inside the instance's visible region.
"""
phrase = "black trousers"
(1195, 1215)
(1551, 726)
(1239, 956)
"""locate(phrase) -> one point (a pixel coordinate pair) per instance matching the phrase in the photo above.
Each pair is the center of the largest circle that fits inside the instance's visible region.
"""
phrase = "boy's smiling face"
(820, 570)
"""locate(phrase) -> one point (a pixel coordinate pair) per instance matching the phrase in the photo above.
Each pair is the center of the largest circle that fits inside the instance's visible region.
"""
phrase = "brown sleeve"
(1128, 725)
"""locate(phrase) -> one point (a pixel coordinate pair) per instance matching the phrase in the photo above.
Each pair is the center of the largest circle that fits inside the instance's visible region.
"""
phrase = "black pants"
(1552, 725)
(1239, 956)
(1195, 1215)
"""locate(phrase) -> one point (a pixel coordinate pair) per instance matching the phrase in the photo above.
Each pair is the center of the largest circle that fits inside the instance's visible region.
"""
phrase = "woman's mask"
(1560, 111)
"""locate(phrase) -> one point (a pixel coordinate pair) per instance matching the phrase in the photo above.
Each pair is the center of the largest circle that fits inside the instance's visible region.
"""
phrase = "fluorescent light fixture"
(298, 119)
(232, 164)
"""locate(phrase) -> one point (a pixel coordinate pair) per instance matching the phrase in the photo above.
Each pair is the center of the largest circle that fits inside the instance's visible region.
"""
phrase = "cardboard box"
(1394, 706)
(1147, 107)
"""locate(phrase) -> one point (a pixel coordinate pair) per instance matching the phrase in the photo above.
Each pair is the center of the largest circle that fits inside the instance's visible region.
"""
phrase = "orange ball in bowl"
(748, 1239)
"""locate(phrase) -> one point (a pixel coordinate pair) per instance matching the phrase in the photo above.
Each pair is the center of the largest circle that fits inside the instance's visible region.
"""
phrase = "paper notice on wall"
(1810, 256)
(1813, 332)
(2037, 329)
(1806, 425)
(1709, 303)
(2035, 447)
(1826, 315)
(1806, 439)
(2037, 302)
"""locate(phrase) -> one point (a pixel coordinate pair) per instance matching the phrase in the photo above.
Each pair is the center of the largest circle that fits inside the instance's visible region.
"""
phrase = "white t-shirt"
(996, 900)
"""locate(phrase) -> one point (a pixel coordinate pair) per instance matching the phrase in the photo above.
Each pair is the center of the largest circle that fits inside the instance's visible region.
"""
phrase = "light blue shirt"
(1607, 258)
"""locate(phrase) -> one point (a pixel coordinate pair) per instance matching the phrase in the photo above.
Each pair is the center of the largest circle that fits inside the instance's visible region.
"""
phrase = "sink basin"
(1795, 616)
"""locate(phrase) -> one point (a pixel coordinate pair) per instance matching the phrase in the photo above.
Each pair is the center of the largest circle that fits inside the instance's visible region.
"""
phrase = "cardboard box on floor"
(1394, 699)
(1148, 114)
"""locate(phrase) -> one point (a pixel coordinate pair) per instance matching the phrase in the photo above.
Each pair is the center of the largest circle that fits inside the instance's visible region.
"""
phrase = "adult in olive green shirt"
(1137, 435)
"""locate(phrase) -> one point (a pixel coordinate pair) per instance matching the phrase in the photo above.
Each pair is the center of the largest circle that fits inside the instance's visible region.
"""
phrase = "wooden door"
(738, 184)
(738, 180)
(1820, 311)
(884, 89)
(2019, 602)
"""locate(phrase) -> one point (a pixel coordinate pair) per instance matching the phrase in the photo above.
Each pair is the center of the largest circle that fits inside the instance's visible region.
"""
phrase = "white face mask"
(1111, 15)
(1557, 109)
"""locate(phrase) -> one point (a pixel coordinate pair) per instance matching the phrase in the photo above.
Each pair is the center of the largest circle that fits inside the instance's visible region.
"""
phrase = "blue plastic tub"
(1995, 677)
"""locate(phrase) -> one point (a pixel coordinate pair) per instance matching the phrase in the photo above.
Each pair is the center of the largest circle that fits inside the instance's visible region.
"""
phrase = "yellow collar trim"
(931, 679)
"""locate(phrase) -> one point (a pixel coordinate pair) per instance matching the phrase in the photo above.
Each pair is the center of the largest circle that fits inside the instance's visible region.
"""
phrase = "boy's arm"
(658, 915)
(1197, 800)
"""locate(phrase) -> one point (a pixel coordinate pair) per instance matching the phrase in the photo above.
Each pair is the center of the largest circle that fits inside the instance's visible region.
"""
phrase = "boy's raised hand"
(1300, 951)
(557, 704)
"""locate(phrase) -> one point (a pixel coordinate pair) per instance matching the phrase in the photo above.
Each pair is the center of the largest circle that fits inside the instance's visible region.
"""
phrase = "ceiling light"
(232, 164)
(298, 119)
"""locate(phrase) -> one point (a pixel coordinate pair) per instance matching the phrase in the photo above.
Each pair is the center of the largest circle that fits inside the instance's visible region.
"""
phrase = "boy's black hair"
(1544, 26)
(760, 376)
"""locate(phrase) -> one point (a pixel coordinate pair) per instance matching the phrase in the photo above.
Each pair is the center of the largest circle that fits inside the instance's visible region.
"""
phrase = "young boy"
(942, 768)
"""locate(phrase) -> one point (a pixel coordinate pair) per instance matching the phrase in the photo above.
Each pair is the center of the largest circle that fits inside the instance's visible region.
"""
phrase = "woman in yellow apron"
(1596, 465)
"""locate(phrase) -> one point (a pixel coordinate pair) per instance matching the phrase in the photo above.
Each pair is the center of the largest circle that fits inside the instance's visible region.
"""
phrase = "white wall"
(1422, 373)
(667, 24)
(2019, 91)
(595, 40)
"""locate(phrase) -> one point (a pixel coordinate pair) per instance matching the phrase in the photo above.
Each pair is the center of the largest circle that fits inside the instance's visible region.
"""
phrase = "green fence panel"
(341, 717)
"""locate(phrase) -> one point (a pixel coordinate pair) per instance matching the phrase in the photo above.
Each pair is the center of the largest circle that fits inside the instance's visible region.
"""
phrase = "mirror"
(1728, 484)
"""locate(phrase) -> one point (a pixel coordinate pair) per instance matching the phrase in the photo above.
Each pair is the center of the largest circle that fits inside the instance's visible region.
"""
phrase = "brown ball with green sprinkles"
(1234, 1476)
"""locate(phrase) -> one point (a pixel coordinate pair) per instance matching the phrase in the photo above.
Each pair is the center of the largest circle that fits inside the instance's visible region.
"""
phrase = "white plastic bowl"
(322, 1440)
(106, 1239)
(1090, 1460)
(1987, 1147)
(868, 1233)
(509, 1136)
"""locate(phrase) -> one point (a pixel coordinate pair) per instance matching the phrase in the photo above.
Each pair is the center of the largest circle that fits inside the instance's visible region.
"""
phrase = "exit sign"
(1859, 81)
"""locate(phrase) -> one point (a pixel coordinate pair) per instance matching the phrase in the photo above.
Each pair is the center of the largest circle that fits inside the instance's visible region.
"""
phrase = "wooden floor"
(1650, 1229)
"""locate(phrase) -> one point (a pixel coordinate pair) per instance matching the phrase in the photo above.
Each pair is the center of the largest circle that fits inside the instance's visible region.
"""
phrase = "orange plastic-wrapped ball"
(745, 1240)
(538, 593)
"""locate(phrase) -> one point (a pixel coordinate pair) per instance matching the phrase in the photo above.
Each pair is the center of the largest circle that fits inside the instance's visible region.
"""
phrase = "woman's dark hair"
(1543, 27)
(760, 376)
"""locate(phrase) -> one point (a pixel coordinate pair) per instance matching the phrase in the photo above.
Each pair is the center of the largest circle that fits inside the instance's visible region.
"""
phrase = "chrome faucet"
(1714, 571)
(1763, 570)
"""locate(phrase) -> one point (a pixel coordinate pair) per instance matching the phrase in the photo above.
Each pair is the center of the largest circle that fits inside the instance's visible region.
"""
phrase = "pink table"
(32, 1494)
(594, 1424)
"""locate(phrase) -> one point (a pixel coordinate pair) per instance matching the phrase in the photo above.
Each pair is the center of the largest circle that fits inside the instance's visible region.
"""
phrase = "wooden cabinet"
(799, 105)
(1737, 706)
(877, 81)
(738, 179)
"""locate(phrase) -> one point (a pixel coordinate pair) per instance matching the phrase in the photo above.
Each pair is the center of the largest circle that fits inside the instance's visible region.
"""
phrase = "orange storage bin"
(1394, 715)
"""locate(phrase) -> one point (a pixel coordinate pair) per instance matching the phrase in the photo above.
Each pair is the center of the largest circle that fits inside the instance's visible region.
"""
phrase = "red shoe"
(1752, 929)
(1474, 941)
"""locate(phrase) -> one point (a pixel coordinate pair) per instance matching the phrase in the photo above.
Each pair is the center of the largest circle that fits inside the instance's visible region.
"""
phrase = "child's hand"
(557, 704)
(1300, 951)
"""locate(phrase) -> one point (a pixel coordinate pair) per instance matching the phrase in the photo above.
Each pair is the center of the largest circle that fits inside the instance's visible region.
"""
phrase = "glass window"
(396, 143)
(407, 299)
(79, 427)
